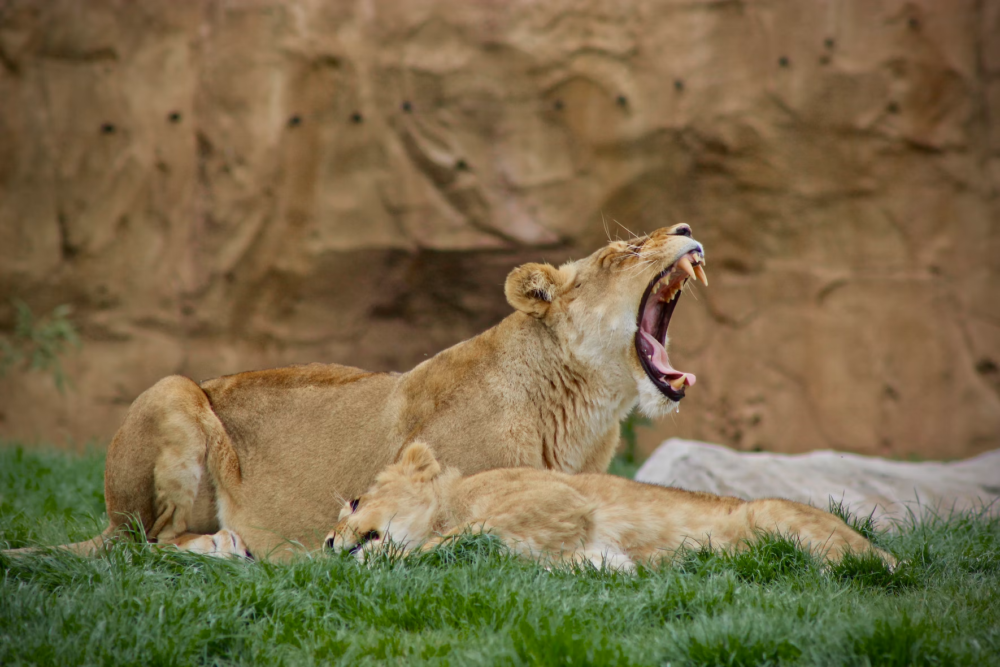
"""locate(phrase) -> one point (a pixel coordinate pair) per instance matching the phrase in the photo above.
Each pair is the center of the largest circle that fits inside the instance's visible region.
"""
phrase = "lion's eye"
(636, 248)
(354, 504)
(682, 230)
(369, 536)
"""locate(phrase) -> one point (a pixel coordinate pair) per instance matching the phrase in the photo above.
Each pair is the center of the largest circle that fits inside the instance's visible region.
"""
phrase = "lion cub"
(601, 518)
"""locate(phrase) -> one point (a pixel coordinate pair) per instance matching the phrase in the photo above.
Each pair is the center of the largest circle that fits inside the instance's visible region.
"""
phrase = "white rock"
(893, 490)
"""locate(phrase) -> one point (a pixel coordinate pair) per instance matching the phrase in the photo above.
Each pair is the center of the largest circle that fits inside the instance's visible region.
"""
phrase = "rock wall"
(218, 186)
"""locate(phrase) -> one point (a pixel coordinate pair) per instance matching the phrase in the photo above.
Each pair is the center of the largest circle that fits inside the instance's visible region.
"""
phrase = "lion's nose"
(329, 543)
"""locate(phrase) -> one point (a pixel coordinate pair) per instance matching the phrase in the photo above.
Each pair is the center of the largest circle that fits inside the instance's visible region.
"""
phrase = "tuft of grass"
(564, 639)
(867, 570)
(465, 549)
(741, 648)
(864, 525)
(906, 642)
(47, 497)
(768, 558)
(471, 601)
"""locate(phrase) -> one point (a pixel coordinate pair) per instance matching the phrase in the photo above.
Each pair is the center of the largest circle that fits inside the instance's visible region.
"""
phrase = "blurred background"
(210, 187)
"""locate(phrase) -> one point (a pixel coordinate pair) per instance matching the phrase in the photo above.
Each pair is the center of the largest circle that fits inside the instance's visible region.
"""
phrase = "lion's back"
(303, 415)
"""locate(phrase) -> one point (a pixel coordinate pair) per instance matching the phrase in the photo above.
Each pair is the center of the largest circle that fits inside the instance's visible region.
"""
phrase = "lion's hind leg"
(155, 470)
(822, 533)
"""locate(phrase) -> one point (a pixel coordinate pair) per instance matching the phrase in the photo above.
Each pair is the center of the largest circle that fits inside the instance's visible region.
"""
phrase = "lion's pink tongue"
(657, 357)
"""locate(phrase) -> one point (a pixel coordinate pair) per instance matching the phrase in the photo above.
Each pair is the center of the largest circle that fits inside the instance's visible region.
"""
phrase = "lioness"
(268, 456)
(587, 517)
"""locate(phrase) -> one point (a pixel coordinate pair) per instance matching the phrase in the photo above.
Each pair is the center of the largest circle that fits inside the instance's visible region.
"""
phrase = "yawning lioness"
(270, 455)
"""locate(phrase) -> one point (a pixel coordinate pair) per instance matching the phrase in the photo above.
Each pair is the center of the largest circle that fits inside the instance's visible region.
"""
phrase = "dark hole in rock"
(107, 128)
(356, 117)
(174, 117)
(407, 107)
(295, 121)
(987, 366)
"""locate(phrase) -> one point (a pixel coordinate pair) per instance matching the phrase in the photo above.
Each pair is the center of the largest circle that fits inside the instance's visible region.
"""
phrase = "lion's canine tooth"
(677, 383)
(685, 265)
(700, 271)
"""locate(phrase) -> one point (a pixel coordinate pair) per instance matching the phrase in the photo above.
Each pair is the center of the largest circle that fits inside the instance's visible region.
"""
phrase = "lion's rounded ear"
(419, 463)
(531, 288)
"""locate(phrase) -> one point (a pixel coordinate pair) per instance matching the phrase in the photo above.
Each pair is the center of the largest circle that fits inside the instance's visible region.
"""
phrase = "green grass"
(471, 602)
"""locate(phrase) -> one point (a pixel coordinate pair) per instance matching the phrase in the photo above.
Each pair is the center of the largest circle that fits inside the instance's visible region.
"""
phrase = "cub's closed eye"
(354, 504)
(364, 539)
(683, 230)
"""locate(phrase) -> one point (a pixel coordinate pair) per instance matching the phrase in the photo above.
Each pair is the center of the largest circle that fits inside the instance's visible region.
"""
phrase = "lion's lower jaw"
(652, 402)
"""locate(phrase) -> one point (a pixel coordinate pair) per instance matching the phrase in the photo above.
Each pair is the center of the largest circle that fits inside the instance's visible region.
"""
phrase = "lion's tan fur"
(587, 517)
(271, 455)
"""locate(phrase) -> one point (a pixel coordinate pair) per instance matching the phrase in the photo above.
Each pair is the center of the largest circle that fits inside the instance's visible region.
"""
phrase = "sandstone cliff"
(218, 186)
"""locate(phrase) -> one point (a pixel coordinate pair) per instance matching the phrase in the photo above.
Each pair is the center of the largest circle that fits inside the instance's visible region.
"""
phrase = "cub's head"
(399, 507)
(612, 309)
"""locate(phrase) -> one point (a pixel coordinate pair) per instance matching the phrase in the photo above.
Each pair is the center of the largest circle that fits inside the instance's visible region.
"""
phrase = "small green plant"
(38, 342)
(625, 463)
(630, 437)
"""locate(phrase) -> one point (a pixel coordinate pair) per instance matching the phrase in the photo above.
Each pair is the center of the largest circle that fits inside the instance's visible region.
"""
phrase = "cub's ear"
(419, 464)
(532, 288)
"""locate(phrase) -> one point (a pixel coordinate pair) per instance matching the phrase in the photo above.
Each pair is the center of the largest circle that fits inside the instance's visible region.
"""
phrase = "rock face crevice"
(217, 187)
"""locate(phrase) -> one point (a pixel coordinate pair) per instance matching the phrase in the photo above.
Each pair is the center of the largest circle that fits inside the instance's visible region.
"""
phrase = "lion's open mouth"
(657, 305)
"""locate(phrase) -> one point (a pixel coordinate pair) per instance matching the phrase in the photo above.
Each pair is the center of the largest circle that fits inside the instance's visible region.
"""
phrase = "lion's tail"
(86, 548)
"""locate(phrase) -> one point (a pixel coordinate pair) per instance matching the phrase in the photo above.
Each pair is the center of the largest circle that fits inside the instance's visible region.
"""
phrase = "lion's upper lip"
(655, 310)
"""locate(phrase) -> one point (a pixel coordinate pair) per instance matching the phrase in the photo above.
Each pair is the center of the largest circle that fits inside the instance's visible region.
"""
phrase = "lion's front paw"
(223, 544)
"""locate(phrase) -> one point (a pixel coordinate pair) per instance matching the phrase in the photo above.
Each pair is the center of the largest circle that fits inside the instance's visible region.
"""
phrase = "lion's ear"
(532, 288)
(419, 464)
